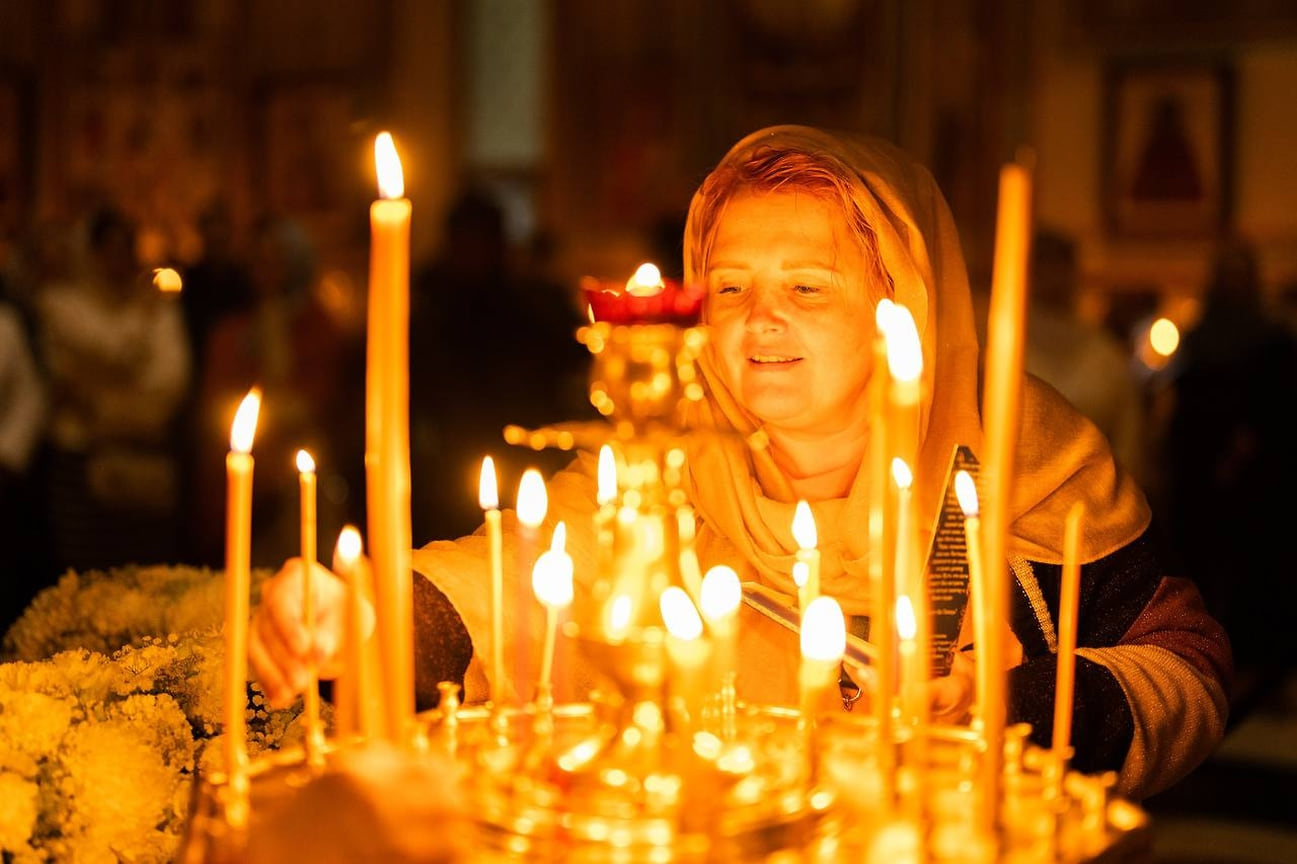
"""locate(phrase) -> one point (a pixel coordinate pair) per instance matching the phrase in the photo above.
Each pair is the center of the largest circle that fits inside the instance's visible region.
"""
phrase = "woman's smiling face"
(790, 315)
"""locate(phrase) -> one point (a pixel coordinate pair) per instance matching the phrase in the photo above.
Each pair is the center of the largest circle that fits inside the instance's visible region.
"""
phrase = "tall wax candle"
(687, 652)
(358, 697)
(238, 550)
(909, 581)
(306, 480)
(1001, 416)
(966, 492)
(488, 497)
(823, 642)
(1068, 604)
(719, 602)
(387, 437)
(551, 581)
(882, 631)
(531, 504)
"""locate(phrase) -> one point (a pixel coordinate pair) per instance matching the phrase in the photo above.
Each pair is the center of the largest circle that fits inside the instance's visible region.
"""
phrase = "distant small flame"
(245, 422)
(589, 312)
(966, 492)
(901, 473)
(1164, 337)
(558, 542)
(349, 546)
(391, 180)
(801, 573)
(619, 612)
(488, 498)
(824, 630)
(679, 614)
(305, 464)
(721, 593)
(906, 626)
(607, 476)
(904, 349)
(882, 313)
(167, 281)
(646, 282)
(533, 501)
(804, 526)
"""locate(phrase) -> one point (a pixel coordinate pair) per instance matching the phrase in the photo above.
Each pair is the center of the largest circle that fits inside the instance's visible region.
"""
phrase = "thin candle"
(306, 481)
(531, 507)
(238, 550)
(882, 632)
(823, 642)
(606, 498)
(909, 579)
(1069, 601)
(914, 701)
(551, 580)
(1001, 408)
(488, 499)
(719, 602)
(966, 492)
(387, 437)
(805, 535)
(686, 651)
(356, 701)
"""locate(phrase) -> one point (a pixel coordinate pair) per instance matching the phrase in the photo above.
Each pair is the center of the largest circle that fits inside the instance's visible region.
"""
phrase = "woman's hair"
(769, 169)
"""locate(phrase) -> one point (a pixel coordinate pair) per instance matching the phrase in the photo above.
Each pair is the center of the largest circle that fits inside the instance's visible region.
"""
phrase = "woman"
(797, 234)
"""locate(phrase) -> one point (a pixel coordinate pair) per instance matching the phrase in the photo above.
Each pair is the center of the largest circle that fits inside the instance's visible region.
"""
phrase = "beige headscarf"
(742, 497)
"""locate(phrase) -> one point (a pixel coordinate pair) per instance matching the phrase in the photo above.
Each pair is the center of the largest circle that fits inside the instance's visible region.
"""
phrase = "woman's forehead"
(798, 228)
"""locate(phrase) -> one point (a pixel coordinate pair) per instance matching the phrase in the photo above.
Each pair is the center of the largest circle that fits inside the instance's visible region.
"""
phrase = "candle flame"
(721, 593)
(391, 180)
(824, 630)
(305, 464)
(551, 578)
(882, 312)
(901, 473)
(558, 542)
(532, 499)
(607, 476)
(679, 614)
(1164, 337)
(619, 612)
(804, 526)
(589, 312)
(488, 498)
(906, 626)
(904, 349)
(966, 492)
(166, 280)
(245, 422)
(646, 282)
(347, 551)
(801, 573)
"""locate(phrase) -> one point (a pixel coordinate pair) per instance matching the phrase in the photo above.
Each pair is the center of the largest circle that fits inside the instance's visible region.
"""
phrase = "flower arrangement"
(109, 707)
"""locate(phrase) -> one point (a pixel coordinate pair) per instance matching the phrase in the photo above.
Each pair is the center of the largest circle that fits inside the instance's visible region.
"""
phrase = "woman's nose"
(765, 311)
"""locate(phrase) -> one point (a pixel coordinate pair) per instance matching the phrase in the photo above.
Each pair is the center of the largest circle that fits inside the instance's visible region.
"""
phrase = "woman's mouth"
(772, 360)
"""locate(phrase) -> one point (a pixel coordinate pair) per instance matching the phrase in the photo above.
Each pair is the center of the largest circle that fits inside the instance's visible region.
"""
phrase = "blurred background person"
(1083, 361)
(489, 346)
(1228, 464)
(119, 365)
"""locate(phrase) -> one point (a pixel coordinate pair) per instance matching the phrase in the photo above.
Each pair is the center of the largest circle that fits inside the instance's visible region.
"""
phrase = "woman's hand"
(952, 696)
(280, 648)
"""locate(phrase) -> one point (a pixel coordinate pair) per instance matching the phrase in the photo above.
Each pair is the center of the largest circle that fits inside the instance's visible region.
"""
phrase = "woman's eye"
(728, 289)
(806, 289)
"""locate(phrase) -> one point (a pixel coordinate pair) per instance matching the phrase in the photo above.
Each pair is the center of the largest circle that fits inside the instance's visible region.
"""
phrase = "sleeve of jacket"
(1153, 669)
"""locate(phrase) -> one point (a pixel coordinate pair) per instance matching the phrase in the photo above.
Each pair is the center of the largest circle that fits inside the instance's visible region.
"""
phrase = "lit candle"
(356, 701)
(909, 579)
(823, 642)
(1001, 407)
(306, 482)
(606, 498)
(987, 679)
(882, 631)
(686, 651)
(805, 535)
(387, 437)
(238, 550)
(532, 504)
(489, 500)
(551, 579)
(914, 701)
(719, 600)
(1069, 601)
